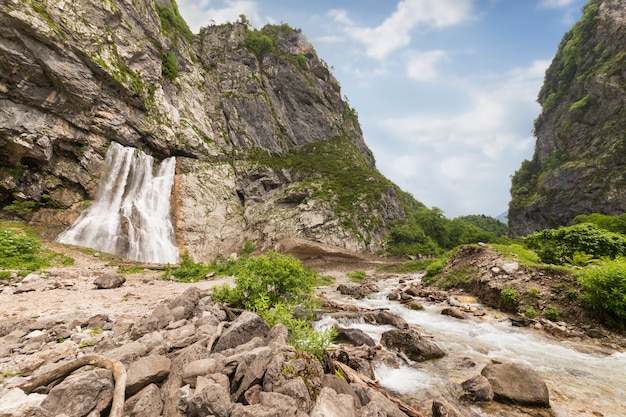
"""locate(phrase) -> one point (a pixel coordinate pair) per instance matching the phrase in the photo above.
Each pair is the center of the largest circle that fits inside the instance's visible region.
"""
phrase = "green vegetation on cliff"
(172, 21)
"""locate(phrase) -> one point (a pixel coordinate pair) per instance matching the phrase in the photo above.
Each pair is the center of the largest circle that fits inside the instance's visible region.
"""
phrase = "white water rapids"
(582, 378)
(130, 215)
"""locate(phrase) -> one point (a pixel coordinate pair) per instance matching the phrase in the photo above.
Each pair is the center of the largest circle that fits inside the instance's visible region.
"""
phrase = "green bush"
(552, 314)
(509, 296)
(21, 250)
(171, 20)
(169, 68)
(531, 313)
(556, 246)
(259, 44)
(604, 291)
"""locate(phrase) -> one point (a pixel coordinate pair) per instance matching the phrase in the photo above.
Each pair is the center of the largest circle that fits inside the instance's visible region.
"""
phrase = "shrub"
(552, 314)
(281, 277)
(509, 296)
(259, 44)
(21, 250)
(171, 19)
(604, 291)
(555, 246)
(169, 68)
(530, 312)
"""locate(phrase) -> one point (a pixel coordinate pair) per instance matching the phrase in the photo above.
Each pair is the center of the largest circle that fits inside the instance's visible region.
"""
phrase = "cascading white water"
(130, 215)
(583, 380)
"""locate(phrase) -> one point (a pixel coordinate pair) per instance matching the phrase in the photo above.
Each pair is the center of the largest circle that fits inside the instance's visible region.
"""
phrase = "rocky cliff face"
(580, 153)
(265, 145)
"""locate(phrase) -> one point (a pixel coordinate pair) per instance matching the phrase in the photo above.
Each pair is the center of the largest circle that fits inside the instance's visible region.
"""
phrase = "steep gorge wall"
(75, 76)
(579, 164)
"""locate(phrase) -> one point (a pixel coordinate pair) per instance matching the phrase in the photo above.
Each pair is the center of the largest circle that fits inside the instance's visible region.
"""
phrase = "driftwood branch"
(117, 367)
(358, 378)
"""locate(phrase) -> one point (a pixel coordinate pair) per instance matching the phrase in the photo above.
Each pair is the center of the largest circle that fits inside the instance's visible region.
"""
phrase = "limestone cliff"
(580, 155)
(265, 145)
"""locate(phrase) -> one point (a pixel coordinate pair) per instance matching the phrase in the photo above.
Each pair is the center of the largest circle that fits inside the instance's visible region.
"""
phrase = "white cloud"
(394, 32)
(205, 12)
(556, 4)
(422, 66)
(461, 161)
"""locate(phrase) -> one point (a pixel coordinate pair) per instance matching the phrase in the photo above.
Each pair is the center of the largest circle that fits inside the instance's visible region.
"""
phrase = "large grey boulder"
(331, 404)
(411, 343)
(517, 384)
(246, 327)
(109, 280)
(145, 371)
(80, 394)
(211, 400)
(146, 403)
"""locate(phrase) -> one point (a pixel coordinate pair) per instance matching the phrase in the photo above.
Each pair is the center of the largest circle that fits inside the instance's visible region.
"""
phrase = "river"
(584, 379)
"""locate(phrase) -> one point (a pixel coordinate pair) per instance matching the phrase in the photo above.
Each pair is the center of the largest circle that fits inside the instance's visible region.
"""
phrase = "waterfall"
(130, 215)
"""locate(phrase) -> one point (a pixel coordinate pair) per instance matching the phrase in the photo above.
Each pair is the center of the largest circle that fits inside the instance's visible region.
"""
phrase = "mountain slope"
(245, 111)
(578, 166)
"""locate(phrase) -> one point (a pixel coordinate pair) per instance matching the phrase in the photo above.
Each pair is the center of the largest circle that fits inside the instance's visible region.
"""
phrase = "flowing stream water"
(583, 379)
(130, 215)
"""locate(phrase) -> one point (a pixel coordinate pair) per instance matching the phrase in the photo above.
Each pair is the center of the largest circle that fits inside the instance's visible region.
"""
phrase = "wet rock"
(595, 333)
(80, 394)
(384, 317)
(442, 408)
(109, 280)
(145, 371)
(247, 326)
(454, 312)
(411, 343)
(146, 403)
(354, 337)
(520, 321)
(353, 290)
(517, 384)
(478, 389)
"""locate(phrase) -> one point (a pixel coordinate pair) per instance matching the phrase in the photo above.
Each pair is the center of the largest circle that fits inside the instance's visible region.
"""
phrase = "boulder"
(411, 343)
(250, 371)
(331, 404)
(340, 386)
(442, 408)
(145, 403)
(145, 371)
(477, 388)
(211, 400)
(109, 280)
(517, 384)
(354, 337)
(454, 312)
(80, 394)
(16, 403)
(384, 317)
(353, 290)
(247, 326)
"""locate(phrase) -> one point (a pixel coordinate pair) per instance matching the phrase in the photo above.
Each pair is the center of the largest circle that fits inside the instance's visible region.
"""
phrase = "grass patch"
(517, 252)
(357, 276)
(21, 250)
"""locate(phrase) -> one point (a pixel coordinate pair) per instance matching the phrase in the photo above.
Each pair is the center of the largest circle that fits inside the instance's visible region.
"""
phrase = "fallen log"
(358, 378)
(115, 366)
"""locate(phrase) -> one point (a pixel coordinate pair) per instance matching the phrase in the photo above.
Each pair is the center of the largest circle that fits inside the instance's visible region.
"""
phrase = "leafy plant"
(169, 68)
(531, 313)
(509, 296)
(171, 20)
(259, 44)
(21, 250)
(552, 314)
(533, 293)
(604, 290)
(555, 246)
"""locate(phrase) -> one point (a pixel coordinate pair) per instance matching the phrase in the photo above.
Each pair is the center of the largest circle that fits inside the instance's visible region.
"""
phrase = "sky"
(445, 90)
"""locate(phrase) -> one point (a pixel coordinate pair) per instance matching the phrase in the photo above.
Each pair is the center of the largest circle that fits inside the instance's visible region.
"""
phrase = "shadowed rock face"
(79, 76)
(580, 153)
